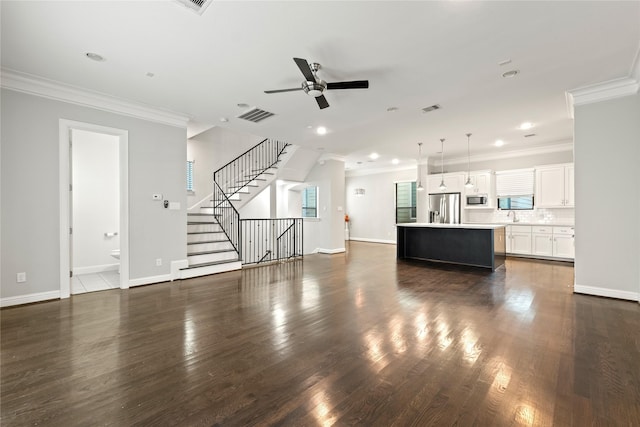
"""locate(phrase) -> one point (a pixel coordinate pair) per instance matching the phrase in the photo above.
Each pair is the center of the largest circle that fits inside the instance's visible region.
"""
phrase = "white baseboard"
(175, 268)
(605, 292)
(29, 298)
(151, 279)
(330, 251)
(364, 239)
(95, 269)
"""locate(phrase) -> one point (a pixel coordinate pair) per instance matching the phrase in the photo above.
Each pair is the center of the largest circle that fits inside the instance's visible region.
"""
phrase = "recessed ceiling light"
(321, 130)
(243, 105)
(395, 161)
(392, 109)
(94, 56)
(510, 74)
(505, 62)
(499, 143)
(224, 119)
(374, 156)
(526, 126)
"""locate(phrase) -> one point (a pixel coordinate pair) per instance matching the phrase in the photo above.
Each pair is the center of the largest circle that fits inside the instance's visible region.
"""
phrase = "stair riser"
(206, 247)
(201, 259)
(213, 269)
(206, 237)
(198, 228)
(201, 218)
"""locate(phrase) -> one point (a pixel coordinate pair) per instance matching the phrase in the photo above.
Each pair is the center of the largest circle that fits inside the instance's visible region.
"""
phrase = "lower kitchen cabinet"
(564, 242)
(520, 239)
(540, 241)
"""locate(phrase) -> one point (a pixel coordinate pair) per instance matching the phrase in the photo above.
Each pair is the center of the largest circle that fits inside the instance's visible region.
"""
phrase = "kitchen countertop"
(463, 226)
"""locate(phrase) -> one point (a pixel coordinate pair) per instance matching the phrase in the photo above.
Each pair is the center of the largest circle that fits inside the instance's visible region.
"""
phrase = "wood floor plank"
(350, 339)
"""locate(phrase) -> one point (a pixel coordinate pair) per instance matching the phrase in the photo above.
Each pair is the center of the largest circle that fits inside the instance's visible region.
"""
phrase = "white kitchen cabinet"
(542, 241)
(484, 183)
(453, 181)
(520, 239)
(554, 186)
(564, 242)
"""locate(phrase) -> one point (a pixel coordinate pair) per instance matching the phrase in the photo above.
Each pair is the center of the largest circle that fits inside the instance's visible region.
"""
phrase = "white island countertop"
(464, 226)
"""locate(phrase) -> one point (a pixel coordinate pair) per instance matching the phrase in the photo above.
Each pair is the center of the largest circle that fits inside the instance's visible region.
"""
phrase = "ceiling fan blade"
(356, 84)
(304, 67)
(283, 90)
(322, 102)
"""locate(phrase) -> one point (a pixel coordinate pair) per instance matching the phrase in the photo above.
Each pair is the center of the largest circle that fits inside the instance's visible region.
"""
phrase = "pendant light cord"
(468, 158)
(442, 158)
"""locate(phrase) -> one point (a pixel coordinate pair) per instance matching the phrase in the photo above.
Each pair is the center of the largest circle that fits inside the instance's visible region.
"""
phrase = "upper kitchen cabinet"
(453, 181)
(484, 184)
(554, 186)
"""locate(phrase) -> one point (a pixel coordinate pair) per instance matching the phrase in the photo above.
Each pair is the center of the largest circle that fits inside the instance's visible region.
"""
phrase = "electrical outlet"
(21, 277)
(158, 262)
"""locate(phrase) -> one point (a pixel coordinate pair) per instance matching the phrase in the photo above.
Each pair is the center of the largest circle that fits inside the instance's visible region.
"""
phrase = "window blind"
(189, 175)
(515, 182)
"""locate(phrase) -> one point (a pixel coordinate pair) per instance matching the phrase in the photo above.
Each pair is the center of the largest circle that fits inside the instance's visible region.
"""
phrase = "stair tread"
(200, 214)
(207, 264)
(217, 251)
(203, 232)
(207, 241)
(202, 222)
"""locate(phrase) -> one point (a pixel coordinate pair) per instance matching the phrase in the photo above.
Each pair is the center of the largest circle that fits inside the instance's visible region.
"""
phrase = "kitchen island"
(476, 245)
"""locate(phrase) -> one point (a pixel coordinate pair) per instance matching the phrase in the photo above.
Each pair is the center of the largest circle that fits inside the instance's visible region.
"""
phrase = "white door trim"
(65, 127)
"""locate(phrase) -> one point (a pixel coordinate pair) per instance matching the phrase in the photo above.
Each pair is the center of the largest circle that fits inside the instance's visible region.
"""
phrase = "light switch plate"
(174, 206)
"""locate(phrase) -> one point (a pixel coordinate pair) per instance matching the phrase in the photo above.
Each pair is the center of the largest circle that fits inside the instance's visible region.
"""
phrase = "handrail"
(271, 239)
(236, 175)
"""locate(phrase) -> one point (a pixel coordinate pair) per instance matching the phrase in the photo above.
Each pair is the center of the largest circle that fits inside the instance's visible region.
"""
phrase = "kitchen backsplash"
(536, 216)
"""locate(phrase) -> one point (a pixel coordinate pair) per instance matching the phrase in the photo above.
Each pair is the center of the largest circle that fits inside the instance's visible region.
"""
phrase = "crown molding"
(556, 148)
(34, 85)
(602, 91)
(363, 172)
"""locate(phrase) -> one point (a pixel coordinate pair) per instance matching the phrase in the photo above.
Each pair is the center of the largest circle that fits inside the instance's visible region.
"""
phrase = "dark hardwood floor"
(349, 339)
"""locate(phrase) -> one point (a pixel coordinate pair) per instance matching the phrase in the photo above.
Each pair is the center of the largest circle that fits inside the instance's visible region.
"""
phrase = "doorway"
(94, 237)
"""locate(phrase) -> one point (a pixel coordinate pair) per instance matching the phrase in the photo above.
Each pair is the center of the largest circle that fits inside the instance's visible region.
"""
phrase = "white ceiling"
(414, 54)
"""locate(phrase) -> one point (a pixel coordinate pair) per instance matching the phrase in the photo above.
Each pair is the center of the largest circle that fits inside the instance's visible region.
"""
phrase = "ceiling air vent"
(256, 115)
(530, 135)
(198, 6)
(432, 108)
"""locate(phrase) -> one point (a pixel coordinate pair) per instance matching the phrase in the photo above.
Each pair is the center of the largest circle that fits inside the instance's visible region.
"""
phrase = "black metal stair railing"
(267, 240)
(242, 173)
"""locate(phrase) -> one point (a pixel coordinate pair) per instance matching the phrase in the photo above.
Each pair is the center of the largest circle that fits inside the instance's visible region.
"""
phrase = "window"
(189, 175)
(514, 203)
(310, 202)
(405, 202)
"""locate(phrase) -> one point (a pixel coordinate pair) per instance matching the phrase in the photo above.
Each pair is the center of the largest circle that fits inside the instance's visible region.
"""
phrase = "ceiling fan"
(315, 86)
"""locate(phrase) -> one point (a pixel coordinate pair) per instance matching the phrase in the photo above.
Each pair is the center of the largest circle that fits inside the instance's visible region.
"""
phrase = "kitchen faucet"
(514, 216)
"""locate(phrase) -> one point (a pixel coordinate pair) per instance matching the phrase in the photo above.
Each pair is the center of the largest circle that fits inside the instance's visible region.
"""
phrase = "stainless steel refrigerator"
(444, 208)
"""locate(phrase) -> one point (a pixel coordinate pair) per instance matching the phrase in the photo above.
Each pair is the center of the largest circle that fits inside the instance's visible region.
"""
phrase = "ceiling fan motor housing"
(314, 89)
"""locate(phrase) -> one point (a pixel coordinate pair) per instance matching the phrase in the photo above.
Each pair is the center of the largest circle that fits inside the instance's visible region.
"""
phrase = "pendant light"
(442, 187)
(468, 184)
(420, 187)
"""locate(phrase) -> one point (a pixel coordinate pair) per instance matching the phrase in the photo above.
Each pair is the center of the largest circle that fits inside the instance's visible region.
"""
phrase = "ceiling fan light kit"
(315, 86)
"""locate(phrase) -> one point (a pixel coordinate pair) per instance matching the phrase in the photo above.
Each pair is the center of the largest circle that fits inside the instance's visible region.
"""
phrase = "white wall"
(326, 233)
(373, 216)
(607, 178)
(30, 194)
(259, 207)
(210, 151)
(96, 201)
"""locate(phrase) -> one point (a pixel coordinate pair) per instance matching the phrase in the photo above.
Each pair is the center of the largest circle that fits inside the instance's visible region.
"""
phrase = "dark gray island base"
(467, 244)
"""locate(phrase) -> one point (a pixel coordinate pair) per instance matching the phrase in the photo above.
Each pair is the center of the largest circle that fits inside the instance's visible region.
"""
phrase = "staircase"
(213, 230)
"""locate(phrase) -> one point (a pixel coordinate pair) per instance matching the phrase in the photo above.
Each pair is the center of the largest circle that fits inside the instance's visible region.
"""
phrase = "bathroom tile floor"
(83, 283)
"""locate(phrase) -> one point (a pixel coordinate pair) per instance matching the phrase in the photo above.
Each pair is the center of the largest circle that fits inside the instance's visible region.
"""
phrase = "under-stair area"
(214, 231)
